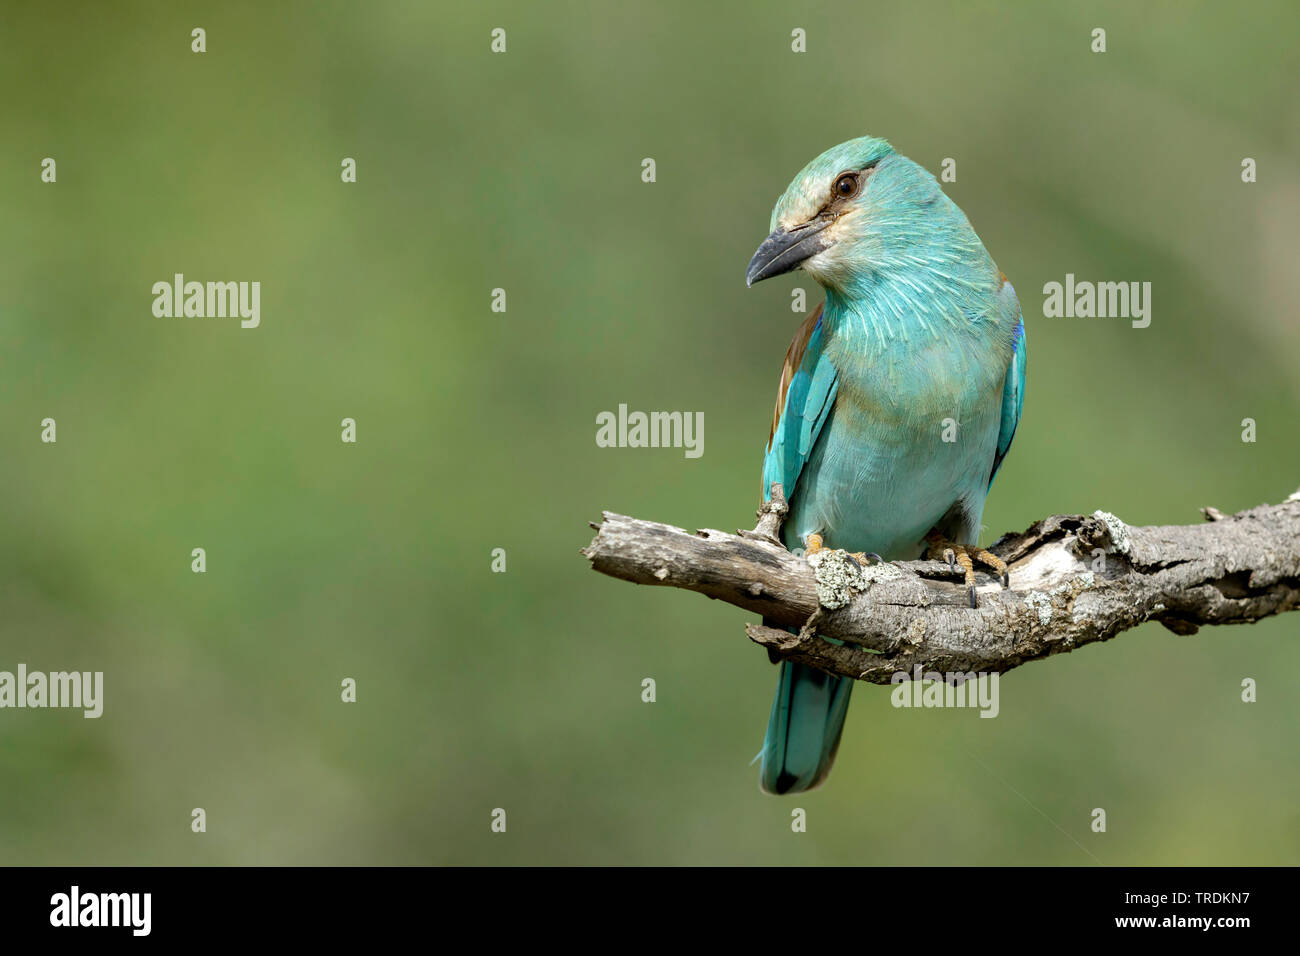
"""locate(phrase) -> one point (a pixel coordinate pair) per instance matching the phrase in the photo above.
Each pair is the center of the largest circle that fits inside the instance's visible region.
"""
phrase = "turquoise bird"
(898, 399)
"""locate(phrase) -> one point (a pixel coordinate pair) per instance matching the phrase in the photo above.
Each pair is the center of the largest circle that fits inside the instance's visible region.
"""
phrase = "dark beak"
(785, 251)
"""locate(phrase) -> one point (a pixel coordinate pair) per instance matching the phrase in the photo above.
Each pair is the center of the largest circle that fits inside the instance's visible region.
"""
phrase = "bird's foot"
(966, 556)
(813, 542)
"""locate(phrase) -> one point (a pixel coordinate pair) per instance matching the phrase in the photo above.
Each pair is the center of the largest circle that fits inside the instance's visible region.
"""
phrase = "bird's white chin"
(827, 267)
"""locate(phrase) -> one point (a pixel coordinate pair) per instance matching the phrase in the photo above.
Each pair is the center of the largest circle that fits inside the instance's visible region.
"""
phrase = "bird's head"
(833, 217)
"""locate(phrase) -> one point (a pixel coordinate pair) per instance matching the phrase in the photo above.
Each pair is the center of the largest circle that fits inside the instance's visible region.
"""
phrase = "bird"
(898, 398)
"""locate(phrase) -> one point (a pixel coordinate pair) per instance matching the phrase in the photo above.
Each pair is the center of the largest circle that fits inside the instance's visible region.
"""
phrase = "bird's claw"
(966, 556)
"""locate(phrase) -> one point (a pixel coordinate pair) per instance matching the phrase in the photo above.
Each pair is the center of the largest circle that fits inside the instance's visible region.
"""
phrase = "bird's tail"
(804, 729)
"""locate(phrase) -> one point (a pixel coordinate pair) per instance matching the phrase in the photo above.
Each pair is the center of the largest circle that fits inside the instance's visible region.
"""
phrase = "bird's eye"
(846, 185)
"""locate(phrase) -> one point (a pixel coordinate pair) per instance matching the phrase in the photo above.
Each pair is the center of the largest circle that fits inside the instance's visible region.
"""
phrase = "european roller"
(898, 399)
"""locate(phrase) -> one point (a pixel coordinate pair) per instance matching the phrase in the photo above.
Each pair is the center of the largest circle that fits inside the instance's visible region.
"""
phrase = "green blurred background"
(477, 429)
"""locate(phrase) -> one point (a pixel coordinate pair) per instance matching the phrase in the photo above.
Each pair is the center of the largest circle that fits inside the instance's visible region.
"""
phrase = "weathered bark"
(1075, 579)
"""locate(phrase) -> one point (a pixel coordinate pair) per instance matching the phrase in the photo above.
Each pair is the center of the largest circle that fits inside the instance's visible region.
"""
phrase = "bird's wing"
(1013, 392)
(808, 712)
(803, 403)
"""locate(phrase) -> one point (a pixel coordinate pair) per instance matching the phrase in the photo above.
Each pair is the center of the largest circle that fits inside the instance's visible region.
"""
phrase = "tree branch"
(1075, 579)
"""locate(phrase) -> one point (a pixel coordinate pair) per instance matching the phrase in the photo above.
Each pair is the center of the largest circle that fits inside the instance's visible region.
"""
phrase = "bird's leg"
(865, 558)
(966, 556)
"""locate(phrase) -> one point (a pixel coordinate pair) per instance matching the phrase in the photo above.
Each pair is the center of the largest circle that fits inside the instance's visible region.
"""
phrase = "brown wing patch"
(793, 359)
